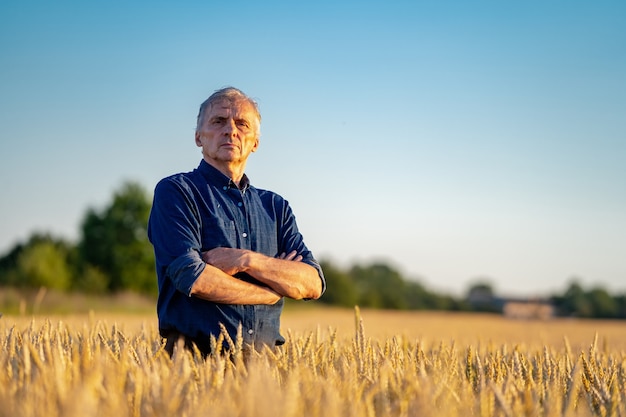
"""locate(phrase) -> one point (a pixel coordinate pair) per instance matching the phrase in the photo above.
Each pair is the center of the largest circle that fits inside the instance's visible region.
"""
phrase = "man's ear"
(198, 142)
(256, 144)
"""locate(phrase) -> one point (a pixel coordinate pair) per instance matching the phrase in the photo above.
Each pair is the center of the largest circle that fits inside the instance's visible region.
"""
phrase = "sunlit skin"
(228, 134)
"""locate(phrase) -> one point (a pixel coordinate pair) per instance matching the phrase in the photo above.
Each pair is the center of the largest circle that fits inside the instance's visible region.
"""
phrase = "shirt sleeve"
(174, 230)
(291, 239)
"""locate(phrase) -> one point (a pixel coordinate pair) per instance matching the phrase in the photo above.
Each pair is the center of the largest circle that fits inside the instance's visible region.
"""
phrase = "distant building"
(514, 308)
(528, 309)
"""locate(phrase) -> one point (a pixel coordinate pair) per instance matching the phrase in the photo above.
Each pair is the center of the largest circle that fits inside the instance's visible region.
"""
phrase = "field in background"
(462, 328)
(426, 327)
(337, 362)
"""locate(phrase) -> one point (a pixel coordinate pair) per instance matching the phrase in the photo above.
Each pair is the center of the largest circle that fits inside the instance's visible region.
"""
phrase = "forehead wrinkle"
(231, 112)
(238, 109)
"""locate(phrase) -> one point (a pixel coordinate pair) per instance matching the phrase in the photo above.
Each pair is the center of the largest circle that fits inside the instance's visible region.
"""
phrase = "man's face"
(228, 133)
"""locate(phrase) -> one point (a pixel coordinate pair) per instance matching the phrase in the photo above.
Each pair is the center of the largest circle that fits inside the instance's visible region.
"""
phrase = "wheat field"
(335, 363)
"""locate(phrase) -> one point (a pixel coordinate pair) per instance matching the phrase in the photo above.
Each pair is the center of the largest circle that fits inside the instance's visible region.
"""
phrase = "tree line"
(113, 254)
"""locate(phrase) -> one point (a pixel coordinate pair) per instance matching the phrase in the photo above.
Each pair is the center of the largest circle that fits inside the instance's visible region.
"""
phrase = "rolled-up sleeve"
(313, 262)
(291, 240)
(184, 271)
(174, 230)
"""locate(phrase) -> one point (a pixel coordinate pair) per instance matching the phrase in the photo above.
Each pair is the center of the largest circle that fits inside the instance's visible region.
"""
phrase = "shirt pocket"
(218, 233)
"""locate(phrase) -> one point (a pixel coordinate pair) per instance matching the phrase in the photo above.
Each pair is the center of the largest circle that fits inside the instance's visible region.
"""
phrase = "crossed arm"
(284, 276)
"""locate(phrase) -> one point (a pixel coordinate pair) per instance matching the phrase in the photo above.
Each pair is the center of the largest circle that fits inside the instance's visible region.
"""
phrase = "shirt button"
(250, 331)
(225, 188)
(244, 234)
(240, 204)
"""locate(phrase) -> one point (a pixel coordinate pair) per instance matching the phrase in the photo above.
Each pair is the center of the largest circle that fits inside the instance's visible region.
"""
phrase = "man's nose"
(230, 128)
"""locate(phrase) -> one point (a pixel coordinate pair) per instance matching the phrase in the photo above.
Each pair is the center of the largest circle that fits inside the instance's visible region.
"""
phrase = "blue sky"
(453, 140)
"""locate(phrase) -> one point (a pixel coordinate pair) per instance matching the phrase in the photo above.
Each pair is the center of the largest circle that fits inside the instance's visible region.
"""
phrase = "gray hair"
(231, 95)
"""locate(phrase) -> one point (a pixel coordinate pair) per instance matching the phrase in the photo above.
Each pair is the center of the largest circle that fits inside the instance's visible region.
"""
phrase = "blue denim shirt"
(201, 210)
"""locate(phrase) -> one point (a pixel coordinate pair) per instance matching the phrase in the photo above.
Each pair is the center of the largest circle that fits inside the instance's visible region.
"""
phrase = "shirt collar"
(216, 177)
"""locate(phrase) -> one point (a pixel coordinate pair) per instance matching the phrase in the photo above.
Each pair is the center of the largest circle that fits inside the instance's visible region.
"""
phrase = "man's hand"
(291, 256)
(232, 261)
(284, 274)
(229, 260)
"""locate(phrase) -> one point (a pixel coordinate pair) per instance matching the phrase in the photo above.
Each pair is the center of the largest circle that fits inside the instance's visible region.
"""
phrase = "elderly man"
(226, 252)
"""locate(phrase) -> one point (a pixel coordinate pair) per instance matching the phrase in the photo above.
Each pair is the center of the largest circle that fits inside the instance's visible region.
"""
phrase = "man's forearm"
(289, 278)
(219, 287)
(286, 275)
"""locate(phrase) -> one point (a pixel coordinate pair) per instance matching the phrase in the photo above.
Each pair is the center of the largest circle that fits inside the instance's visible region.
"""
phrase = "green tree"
(35, 263)
(340, 290)
(620, 300)
(115, 242)
(8, 266)
(43, 264)
(481, 296)
(379, 286)
(419, 298)
(92, 280)
(481, 290)
(603, 306)
(574, 302)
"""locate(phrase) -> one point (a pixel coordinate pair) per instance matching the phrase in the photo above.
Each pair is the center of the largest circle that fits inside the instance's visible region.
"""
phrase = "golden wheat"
(59, 369)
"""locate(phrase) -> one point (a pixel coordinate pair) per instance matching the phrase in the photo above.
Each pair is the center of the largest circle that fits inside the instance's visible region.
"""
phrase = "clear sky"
(452, 139)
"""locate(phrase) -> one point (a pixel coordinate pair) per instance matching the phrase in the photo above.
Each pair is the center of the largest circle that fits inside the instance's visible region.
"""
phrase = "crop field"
(335, 363)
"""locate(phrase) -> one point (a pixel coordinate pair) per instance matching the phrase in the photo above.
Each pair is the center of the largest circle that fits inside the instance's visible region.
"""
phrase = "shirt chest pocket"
(218, 233)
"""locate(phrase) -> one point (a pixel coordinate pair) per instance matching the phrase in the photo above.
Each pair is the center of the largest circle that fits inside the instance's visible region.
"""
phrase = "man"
(226, 252)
